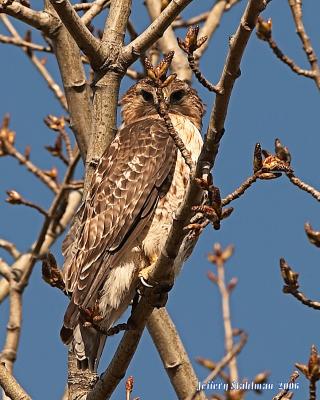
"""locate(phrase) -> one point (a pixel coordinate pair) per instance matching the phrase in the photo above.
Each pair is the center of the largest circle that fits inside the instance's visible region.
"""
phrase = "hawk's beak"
(167, 100)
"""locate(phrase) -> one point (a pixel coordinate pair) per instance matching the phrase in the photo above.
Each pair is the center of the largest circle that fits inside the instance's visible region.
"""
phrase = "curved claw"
(144, 282)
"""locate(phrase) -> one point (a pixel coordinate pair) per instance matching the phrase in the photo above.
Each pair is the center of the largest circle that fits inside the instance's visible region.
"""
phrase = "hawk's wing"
(122, 196)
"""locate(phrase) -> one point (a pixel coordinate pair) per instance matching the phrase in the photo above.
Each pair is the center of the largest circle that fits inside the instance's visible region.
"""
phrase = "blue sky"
(268, 101)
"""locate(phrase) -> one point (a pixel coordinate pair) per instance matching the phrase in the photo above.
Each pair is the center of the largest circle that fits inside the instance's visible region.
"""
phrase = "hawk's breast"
(162, 220)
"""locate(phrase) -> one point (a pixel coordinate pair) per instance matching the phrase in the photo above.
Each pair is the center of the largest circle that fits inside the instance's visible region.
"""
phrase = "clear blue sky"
(268, 101)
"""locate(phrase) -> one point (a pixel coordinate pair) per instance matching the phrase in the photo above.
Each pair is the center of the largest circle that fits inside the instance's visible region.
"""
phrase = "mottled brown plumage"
(123, 222)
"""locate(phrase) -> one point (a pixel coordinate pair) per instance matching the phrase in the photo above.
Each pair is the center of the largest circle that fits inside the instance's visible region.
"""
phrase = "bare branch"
(23, 43)
(15, 198)
(13, 152)
(132, 51)
(294, 376)
(76, 88)
(230, 74)
(168, 42)
(5, 270)
(240, 190)
(25, 263)
(9, 352)
(38, 19)
(296, 9)
(291, 286)
(80, 33)
(10, 386)
(10, 247)
(106, 89)
(38, 64)
(173, 354)
(94, 10)
(304, 186)
(219, 257)
(211, 24)
(264, 32)
(222, 363)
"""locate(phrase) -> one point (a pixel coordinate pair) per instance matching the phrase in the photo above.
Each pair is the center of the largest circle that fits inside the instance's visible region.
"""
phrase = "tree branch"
(168, 42)
(10, 247)
(80, 33)
(106, 89)
(94, 10)
(132, 51)
(10, 386)
(9, 352)
(173, 354)
(304, 186)
(23, 43)
(77, 90)
(296, 9)
(211, 24)
(38, 64)
(230, 73)
(25, 263)
(38, 19)
(264, 32)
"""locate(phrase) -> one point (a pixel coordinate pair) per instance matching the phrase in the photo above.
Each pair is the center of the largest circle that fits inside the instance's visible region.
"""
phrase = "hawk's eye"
(177, 96)
(147, 96)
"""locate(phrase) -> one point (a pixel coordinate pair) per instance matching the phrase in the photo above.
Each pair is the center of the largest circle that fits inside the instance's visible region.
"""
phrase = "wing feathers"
(123, 194)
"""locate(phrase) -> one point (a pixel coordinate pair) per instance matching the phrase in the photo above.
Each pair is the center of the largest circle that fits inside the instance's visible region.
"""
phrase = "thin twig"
(294, 376)
(36, 171)
(225, 297)
(296, 9)
(38, 64)
(24, 43)
(222, 363)
(180, 23)
(291, 280)
(163, 112)
(240, 190)
(10, 247)
(304, 186)
(288, 61)
(201, 78)
(56, 202)
(302, 298)
(25, 202)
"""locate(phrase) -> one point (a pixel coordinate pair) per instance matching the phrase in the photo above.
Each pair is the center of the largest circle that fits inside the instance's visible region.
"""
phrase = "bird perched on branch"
(124, 221)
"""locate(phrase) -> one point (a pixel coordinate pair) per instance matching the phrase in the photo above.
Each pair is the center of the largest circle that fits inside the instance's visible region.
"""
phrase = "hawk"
(123, 222)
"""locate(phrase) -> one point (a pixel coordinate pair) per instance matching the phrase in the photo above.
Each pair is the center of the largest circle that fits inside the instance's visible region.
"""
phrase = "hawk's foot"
(144, 276)
(159, 291)
(90, 316)
(51, 273)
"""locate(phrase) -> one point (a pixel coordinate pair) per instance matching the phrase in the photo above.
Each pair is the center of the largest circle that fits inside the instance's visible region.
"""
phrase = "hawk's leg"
(159, 290)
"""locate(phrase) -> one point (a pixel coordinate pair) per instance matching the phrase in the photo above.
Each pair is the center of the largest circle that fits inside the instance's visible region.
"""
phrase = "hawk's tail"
(86, 342)
(87, 345)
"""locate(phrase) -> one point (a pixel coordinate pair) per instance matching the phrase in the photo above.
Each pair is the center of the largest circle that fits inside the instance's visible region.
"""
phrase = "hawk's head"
(141, 101)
